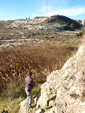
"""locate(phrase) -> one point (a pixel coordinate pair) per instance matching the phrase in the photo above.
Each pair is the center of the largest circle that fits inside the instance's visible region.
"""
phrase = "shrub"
(72, 26)
(41, 60)
(15, 91)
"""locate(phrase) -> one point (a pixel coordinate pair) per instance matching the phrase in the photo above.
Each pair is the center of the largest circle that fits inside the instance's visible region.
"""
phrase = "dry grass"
(41, 60)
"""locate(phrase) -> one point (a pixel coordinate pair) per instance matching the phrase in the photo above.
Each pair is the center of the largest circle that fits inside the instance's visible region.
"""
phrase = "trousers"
(29, 96)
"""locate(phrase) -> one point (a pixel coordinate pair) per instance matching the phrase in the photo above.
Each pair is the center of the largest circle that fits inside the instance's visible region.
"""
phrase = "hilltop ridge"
(63, 20)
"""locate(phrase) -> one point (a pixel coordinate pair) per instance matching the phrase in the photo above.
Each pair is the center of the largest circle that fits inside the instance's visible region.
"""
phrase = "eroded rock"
(64, 90)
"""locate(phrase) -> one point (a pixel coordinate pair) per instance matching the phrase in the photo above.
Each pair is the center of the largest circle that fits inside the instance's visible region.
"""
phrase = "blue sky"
(20, 9)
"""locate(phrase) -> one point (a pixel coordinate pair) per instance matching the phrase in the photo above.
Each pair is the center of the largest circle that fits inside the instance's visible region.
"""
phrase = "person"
(29, 84)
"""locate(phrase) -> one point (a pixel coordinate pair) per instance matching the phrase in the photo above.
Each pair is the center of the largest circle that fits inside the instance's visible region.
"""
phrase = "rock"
(64, 90)
(25, 109)
(38, 111)
(23, 106)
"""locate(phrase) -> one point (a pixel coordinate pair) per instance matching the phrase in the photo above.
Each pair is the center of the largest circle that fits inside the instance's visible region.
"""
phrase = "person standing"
(29, 84)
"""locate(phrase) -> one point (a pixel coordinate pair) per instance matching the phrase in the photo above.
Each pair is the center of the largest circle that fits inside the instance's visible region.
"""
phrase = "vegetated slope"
(60, 19)
(41, 60)
(64, 90)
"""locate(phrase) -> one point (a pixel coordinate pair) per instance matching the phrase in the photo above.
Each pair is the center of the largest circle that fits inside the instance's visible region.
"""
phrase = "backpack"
(4, 111)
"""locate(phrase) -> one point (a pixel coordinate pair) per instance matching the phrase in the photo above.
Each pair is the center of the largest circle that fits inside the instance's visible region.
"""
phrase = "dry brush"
(41, 60)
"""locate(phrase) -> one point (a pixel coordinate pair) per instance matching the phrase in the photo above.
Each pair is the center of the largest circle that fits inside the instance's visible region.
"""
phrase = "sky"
(21, 9)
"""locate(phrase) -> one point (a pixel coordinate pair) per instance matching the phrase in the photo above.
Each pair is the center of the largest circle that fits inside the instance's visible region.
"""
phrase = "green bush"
(36, 88)
(72, 26)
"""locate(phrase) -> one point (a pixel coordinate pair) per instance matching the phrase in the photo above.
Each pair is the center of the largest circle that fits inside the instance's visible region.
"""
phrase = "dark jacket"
(29, 83)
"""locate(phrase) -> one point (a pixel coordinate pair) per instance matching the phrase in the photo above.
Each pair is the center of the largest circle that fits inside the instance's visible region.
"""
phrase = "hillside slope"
(64, 90)
(63, 20)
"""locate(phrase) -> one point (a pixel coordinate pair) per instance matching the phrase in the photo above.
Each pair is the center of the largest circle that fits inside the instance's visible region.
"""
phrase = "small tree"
(72, 26)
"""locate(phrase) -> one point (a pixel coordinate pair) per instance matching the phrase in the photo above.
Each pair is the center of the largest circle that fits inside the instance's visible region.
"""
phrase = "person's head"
(30, 73)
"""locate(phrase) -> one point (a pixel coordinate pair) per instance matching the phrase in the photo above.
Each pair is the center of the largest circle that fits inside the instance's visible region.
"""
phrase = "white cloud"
(73, 11)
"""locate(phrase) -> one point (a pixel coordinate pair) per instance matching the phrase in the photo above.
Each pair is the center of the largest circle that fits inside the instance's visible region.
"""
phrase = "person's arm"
(33, 83)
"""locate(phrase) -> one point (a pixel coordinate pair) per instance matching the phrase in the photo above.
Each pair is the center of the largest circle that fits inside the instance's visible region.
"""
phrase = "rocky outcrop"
(64, 90)
(25, 109)
(34, 25)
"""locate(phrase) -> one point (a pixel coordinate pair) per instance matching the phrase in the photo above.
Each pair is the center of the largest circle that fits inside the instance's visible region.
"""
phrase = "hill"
(56, 22)
(63, 20)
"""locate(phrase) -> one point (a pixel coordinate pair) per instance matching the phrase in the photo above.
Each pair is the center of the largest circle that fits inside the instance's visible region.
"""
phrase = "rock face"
(64, 90)
(24, 107)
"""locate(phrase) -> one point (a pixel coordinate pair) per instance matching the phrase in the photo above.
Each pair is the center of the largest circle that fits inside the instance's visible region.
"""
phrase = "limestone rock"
(25, 109)
(23, 106)
(64, 90)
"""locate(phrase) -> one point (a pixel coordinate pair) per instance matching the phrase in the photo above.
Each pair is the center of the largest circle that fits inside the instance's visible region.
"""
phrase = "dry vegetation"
(41, 60)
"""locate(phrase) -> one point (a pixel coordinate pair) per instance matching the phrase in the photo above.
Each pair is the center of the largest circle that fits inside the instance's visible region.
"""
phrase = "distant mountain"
(63, 20)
